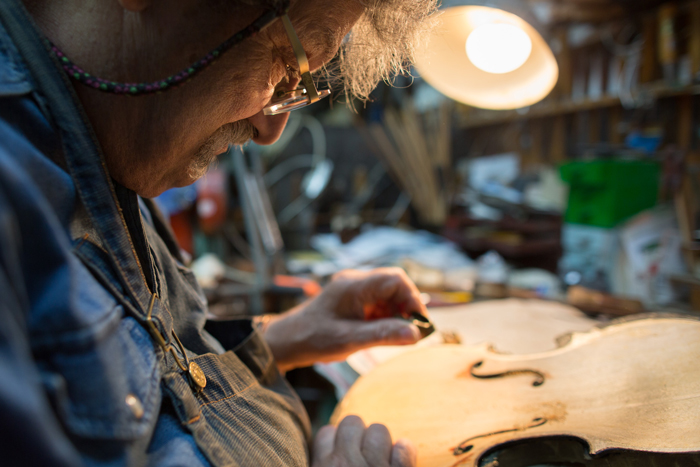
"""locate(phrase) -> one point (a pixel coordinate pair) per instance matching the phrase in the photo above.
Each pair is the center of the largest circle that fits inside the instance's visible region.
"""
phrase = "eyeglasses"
(306, 93)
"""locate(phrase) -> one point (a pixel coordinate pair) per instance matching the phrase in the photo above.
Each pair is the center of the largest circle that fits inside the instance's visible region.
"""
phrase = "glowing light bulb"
(498, 47)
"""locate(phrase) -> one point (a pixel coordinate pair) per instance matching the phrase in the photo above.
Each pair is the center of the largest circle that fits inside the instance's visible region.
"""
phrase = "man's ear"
(134, 5)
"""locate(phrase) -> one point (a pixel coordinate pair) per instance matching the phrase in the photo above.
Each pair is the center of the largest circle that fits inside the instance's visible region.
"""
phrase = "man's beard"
(236, 133)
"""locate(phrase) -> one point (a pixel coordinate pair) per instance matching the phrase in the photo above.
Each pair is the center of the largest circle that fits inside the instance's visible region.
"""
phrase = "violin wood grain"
(499, 323)
(632, 385)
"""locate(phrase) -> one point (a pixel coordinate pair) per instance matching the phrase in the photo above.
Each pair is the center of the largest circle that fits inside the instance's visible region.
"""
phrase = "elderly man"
(105, 355)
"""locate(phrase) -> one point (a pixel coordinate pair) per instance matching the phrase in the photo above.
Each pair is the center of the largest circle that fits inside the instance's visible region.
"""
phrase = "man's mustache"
(235, 133)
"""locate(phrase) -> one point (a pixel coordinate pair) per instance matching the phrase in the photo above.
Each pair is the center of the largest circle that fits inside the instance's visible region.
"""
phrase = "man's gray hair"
(382, 44)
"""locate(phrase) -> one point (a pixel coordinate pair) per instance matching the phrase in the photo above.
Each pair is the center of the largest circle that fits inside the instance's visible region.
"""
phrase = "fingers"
(348, 437)
(392, 285)
(404, 454)
(376, 445)
(380, 293)
(351, 444)
(383, 332)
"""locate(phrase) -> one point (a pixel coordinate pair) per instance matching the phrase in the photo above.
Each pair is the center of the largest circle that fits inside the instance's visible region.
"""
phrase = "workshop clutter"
(417, 152)
(608, 245)
(638, 259)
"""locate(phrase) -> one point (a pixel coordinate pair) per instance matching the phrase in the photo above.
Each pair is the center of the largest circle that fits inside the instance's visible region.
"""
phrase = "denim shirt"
(98, 313)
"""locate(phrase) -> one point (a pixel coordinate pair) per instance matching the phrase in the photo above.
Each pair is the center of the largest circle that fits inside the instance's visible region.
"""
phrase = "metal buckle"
(195, 374)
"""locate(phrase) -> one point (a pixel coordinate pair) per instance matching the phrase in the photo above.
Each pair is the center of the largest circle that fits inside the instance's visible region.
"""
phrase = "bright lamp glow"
(498, 47)
(444, 64)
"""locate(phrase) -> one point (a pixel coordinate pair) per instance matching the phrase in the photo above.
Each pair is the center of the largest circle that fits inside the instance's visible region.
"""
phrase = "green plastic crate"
(605, 192)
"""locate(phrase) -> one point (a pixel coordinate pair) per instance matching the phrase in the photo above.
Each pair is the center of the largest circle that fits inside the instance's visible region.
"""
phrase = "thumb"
(389, 331)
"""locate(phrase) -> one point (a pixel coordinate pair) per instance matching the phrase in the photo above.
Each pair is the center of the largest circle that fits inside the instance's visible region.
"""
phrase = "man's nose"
(269, 127)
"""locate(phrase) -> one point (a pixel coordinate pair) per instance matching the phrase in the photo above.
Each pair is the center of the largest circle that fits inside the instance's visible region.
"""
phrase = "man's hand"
(353, 445)
(357, 309)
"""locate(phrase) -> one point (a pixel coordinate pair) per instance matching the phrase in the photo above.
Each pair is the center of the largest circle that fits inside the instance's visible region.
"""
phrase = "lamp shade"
(487, 57)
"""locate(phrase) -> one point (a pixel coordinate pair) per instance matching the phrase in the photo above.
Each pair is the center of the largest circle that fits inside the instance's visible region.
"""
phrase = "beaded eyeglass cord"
(135, 89)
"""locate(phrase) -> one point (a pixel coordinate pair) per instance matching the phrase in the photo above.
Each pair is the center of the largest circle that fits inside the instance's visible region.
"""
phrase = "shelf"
(568, 107)
(543, 224)
(685, 279)
(525, 249)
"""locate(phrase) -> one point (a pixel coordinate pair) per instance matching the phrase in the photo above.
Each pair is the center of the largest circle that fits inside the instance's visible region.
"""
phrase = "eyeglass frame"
(306, 93)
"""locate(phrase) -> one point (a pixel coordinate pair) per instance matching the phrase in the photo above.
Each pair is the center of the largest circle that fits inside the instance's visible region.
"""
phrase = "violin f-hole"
(467, 445)
(539, 377)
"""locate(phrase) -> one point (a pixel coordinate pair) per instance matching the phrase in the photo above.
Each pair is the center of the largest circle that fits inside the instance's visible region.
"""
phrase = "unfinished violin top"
(632, 385)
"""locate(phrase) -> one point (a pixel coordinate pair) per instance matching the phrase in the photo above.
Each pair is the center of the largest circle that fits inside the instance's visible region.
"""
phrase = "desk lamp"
(484, 55)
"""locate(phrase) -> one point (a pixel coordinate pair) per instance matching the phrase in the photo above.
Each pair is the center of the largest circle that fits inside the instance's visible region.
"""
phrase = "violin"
(624, 394)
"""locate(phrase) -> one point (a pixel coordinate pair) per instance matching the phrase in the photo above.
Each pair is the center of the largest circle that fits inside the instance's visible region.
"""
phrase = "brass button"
(135, 405)
(197, 376)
